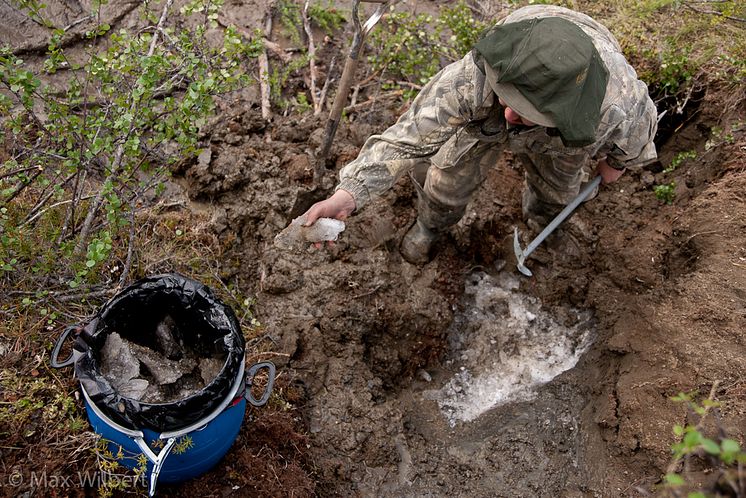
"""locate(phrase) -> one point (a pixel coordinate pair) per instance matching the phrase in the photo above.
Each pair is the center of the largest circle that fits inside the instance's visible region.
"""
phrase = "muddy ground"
(362, 336)
(359, 324)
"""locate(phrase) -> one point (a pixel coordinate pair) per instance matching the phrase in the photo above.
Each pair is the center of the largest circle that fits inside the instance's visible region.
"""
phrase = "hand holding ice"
(295, 235)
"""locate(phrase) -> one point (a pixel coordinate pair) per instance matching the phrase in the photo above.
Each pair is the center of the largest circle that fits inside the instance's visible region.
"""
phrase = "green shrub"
(665, 193)
(724, 454)
(74, 178)
(680, 158)
(410, 49)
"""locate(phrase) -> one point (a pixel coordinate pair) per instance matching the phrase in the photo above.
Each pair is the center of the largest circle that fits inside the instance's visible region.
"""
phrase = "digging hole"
(676, 115)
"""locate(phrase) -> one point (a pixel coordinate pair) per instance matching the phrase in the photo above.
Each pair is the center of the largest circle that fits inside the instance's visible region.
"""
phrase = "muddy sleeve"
(443, 107)
(633, 138)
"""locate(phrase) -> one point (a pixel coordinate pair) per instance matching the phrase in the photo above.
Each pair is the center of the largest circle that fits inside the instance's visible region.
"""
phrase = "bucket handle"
(250, 373)
(54, 359)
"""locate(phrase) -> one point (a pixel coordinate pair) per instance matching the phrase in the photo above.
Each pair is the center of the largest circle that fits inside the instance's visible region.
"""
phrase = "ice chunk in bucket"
(296, 235)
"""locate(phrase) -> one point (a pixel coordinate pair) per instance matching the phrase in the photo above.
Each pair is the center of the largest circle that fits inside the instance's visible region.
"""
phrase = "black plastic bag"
(205, 323)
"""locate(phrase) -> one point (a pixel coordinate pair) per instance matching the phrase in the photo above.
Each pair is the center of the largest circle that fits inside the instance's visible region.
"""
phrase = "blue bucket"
(199, 447)
(180, 439)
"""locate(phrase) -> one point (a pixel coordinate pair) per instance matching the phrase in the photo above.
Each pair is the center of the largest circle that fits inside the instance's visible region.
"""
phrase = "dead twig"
(372, 291)
(75, 23)
(388, 96)
(311, 58)
(130, 246)
(20, 170)
(86, 295)
(69, 223)
(264, 68)
(714, 13)
(325, 88)
(277, 50)
(30, 219)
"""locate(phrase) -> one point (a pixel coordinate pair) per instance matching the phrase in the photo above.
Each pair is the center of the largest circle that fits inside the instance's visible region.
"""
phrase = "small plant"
(184, 444)
(665, 193)
(718, 135)
(465, 29)
(327, 18)
(114, 475)
(724, 454)
(680, 158)
(291, 20)
(675, 70)
(279, 77)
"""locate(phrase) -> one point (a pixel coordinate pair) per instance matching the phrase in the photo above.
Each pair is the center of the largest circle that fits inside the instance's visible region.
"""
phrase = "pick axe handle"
(552, 226)
(348, 73)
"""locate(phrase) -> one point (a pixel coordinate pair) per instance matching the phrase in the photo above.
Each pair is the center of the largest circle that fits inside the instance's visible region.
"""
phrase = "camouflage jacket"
(458, 100)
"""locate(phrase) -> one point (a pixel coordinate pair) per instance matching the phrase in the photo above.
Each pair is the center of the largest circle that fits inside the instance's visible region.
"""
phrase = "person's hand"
(608, 174)
(338, 206)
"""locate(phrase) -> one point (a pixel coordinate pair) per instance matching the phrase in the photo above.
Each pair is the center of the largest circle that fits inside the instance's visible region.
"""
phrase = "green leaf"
(696, 494)
(678, 430)
(90, 263)
(674, 480)
(710, 446)
(692, 438)
(730, 446)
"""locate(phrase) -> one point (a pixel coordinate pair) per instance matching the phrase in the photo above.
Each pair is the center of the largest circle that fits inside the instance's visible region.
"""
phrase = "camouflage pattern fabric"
(455, 130)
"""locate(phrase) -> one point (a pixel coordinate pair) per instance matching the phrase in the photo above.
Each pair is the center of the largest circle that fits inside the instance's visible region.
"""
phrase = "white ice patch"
(505, 346)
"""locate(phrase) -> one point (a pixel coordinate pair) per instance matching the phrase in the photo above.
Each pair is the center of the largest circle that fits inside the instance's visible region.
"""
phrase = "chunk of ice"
(134, 389)
(163, 370)
(119, 364)
(295, 234)
(209, 368)
(165, 334)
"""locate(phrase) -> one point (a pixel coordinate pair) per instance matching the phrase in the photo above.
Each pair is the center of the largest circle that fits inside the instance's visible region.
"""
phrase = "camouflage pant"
(447, 181)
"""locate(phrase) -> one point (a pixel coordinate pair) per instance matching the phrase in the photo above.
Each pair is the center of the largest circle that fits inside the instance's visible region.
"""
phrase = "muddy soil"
(366, 333)
(364, 338)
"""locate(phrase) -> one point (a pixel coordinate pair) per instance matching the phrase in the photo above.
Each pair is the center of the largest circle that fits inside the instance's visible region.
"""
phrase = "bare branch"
(713, 12)
(159, 26)
(311, 58)
(277, 50)
(264, 68)
(20, 170)
(322, 97)
(130, 246)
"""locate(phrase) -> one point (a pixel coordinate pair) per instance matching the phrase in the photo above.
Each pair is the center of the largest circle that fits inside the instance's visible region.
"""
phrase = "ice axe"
(522, 254)
(345, 82)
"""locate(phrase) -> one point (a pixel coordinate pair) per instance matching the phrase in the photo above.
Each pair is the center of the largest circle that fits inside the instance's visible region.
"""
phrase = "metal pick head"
(519, 256)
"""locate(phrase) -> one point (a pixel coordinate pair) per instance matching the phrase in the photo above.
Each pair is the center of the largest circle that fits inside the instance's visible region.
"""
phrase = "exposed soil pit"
(378, 344)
